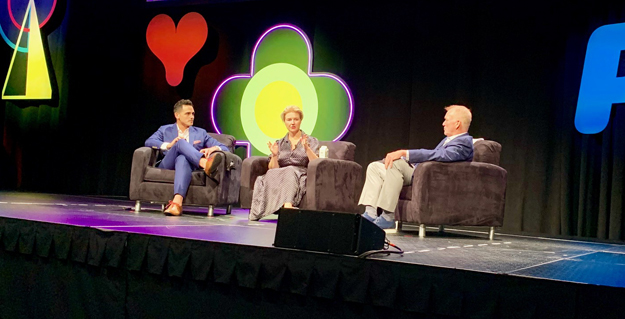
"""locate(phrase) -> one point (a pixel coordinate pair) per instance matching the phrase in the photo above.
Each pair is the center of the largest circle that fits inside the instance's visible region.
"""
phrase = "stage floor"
(544, 258)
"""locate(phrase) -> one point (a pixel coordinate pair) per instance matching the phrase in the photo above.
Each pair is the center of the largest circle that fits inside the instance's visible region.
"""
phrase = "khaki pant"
(382, 186)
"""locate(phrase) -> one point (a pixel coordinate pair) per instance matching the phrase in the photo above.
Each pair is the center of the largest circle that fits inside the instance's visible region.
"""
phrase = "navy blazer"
(458, 149)
(197, 137)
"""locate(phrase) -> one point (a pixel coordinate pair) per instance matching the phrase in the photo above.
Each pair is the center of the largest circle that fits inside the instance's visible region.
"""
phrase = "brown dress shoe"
(173, 209)
(212, 163)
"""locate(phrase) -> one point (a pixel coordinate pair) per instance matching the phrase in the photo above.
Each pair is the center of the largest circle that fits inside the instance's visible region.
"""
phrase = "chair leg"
(211, 211)
(229, 210)
(398, 225)
(162, 207)
(491, 233)
(137, 206)
(441, 228)
(421, 230)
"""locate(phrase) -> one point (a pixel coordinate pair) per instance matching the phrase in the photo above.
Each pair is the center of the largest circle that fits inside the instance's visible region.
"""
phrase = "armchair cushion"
(460, 193)
(333, 183)
(225, 139)
(486, 152)
(150, 183)
(142, 158)
(406, 192)
(252, 167)
(159, 175)
(340, 150)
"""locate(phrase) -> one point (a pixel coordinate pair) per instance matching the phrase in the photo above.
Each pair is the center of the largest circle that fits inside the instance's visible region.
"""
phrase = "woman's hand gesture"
(273, 147)
(304, 140)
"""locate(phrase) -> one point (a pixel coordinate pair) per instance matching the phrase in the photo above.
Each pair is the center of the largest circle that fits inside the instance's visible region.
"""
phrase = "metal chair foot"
(491, 233)
(211, 211)
(398, 225)
(421, 230)
(441, 228)
(228, 209)
(137, 206)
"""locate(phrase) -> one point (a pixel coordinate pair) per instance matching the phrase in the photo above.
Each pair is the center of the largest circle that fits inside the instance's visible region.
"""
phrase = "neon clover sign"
(249, 105)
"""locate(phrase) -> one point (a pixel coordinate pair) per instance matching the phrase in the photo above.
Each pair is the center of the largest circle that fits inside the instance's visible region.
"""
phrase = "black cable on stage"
(387, 245)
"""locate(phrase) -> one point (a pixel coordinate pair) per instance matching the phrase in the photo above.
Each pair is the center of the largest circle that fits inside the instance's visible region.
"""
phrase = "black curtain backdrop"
(60, 271)
(516, 65)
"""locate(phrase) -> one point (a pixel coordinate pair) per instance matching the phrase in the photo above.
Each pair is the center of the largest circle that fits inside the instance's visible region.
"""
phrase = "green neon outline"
(6, 81)
(271, 73)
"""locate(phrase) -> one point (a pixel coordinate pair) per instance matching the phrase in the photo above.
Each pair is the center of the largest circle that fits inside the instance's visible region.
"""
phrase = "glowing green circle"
(269, 74)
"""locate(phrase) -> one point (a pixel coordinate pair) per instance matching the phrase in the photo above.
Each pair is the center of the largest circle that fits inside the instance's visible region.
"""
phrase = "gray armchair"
(152, 184)
(456, 194)
(333, 183)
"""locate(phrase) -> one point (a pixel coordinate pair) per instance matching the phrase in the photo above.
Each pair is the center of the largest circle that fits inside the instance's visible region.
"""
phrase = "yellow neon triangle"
(37, 77)
(38, 86)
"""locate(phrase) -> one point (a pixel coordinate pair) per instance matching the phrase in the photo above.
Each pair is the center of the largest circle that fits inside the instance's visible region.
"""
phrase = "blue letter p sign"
(600, 86)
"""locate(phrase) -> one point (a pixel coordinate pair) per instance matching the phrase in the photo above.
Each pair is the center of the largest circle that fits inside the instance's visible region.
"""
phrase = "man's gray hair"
(180, 104)
(463, 113)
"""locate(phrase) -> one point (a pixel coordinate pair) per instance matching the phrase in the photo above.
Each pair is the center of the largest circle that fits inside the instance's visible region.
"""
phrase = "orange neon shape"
(176, 46)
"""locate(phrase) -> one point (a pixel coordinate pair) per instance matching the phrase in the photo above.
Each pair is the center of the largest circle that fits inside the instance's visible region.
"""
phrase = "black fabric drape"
(583, 178)
(45, 272)
(598, 183)
(58, 271)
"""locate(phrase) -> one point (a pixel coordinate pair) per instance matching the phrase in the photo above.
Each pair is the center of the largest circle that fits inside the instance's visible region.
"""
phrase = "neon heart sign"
(175, 46)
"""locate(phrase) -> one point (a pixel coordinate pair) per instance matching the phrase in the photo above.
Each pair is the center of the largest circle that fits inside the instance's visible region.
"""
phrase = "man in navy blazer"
(385, 179)
(186, 148)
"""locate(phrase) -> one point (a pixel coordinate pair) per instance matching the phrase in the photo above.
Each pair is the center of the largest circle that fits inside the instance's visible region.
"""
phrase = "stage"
(71, 256)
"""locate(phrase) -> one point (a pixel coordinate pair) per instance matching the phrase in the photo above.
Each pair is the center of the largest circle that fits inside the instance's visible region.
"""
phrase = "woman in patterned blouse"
(285, 181)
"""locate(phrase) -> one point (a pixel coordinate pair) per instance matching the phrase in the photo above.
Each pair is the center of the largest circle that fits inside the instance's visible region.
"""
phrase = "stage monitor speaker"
(332, 232)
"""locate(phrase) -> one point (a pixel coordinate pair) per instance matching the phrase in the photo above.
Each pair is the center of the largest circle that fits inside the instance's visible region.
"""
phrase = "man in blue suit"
(385, 179)
(186, 148)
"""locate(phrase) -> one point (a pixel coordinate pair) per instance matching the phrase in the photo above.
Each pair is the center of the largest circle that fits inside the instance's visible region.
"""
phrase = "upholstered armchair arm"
(460, 193)
(252, 168)
(333, 185)
(142, 157)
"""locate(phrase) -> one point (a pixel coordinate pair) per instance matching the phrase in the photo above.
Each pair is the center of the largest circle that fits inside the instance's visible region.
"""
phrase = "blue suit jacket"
(458, 149)
(197, 137)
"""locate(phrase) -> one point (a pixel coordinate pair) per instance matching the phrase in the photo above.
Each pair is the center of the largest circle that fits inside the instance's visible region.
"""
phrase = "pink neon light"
(248, 147)
(310, 73)
(17, 25)
(215, 96)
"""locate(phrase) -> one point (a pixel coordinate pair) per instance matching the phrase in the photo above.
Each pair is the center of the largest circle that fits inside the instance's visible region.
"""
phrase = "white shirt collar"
(453, 136)
(184, 134)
